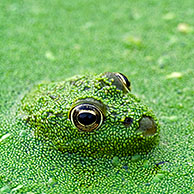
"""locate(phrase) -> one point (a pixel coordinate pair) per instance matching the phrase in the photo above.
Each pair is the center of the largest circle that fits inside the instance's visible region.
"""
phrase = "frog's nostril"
(128, 121)
(147, 126)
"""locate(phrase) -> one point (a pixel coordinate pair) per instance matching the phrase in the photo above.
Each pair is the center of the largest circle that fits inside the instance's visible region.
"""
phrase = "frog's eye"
(119, 80)
(86, 117)
(124, 81)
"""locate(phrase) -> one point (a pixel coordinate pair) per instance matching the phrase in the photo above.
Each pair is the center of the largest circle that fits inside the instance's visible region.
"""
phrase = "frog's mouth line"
(147, 126)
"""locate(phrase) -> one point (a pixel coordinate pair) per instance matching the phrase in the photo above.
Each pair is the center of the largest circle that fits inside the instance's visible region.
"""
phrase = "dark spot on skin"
(59, 115)
(159, 163)
(126, 168)
(128, 121)
(114, 113)
(147, 126)
(158, 166)
(48, 114)
(52, 97)
(86, 88)
(27, 120)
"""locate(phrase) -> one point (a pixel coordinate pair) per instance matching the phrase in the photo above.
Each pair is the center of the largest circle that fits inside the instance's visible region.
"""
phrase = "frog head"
(91, 115)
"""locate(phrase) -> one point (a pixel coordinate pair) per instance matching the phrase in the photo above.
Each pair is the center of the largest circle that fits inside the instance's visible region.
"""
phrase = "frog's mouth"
(147, 126)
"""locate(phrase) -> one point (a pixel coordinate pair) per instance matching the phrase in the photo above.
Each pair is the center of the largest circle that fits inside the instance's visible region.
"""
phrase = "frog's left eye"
(86, 117)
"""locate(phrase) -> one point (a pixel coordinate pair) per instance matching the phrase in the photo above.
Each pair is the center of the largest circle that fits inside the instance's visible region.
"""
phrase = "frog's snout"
(147, 126)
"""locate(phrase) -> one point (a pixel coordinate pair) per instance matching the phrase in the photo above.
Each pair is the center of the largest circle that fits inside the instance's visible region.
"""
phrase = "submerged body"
(85, 134)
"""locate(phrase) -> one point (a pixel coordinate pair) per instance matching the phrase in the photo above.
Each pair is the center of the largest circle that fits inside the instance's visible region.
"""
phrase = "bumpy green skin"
(46, 109)
(42, 152)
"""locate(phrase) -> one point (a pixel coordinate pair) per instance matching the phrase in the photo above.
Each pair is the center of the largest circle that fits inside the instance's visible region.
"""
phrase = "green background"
(51, 40)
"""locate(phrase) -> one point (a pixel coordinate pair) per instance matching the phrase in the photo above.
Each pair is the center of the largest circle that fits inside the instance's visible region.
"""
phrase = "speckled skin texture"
(45, 110)
(43, 152)
(52, 40)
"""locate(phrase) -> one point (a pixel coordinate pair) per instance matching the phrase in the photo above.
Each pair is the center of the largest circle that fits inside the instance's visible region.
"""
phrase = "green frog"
(87, 134)
(91, 115)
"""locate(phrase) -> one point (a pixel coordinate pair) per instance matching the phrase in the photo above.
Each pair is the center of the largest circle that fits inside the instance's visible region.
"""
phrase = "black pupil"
(86, 118)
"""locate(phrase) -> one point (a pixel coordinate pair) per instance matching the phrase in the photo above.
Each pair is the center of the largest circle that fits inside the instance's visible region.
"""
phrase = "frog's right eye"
(86, 117)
